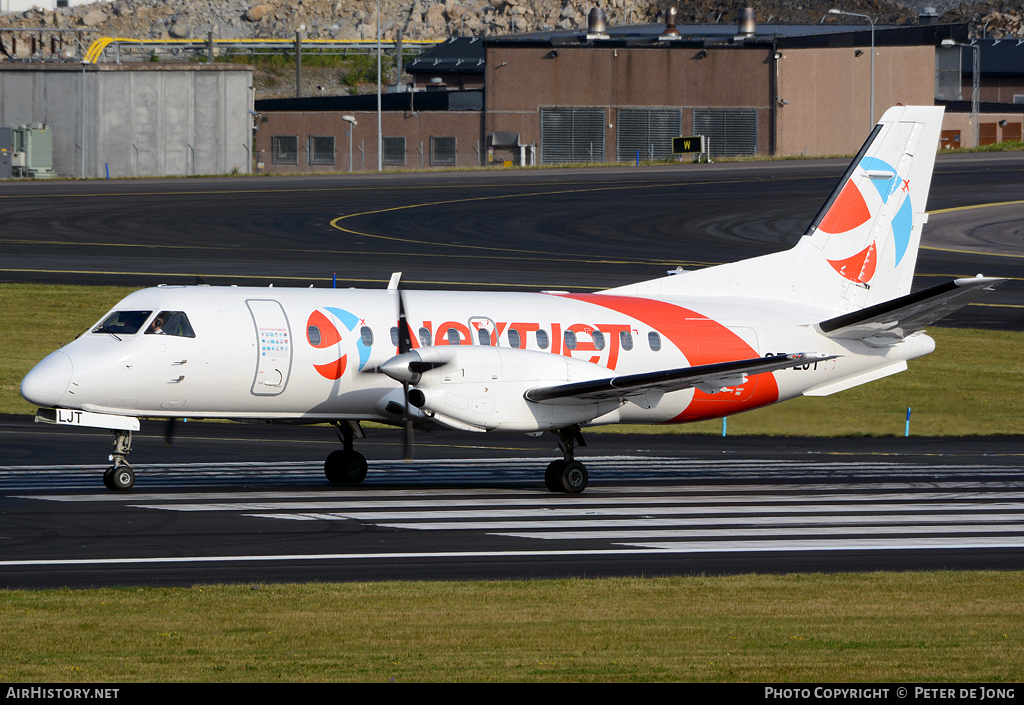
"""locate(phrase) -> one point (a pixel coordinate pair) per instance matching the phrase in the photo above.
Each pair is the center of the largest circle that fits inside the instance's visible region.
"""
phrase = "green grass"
(882, 627)
(973, 384)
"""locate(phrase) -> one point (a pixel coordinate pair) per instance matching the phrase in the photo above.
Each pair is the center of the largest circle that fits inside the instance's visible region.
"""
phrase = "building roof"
(998, 57)
(426, 101)
(455, 55)
(720, 35)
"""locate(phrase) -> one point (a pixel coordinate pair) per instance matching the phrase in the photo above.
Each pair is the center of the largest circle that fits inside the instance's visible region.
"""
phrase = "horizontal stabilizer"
(892, 321)
(708, 378)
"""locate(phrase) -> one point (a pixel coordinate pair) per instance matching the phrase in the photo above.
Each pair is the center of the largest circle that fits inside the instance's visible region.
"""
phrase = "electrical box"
(30, 151)
(6, 153)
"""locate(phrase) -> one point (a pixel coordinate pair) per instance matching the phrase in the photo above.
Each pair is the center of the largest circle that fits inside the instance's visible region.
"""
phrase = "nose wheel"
(120, 477)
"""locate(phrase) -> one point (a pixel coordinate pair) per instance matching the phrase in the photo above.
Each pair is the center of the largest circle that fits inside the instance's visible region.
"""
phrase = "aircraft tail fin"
(869, 229)
(861, 247)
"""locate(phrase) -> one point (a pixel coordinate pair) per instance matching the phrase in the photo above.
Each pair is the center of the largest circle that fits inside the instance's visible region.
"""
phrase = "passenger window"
(625, 340)
(313, 335)
(171, 323)
(598, 340)
(367, 336)
(654, 340)
(570, 340)
(123, 322)
(513, 338)
(394, 336)
(453, 337)
(542, 339)
(425, 337)
(483, 337)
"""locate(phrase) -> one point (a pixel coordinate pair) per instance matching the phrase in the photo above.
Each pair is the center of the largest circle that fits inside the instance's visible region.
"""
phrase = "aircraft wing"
(647, 387)
(892, 321)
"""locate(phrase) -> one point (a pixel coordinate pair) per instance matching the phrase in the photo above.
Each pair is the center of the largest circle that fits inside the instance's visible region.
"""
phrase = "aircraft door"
(274, 347)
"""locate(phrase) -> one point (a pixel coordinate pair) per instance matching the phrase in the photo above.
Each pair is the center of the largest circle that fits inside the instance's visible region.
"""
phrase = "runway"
(249, 503)
(567, 229)
(476, 509)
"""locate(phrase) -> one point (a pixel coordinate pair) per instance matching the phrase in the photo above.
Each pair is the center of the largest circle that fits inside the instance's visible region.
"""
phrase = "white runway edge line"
(647, 548)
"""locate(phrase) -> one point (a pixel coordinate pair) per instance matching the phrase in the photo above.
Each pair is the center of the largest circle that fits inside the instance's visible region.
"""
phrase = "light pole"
(380, 135)
(352, 123)
(975, 81)
(833, 11)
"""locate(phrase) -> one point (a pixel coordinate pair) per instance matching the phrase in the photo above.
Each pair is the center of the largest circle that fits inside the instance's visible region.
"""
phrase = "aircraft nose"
(47, 382)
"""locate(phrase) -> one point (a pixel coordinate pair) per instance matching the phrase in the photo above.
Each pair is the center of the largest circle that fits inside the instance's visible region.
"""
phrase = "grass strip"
(973, 384)
(879, 627)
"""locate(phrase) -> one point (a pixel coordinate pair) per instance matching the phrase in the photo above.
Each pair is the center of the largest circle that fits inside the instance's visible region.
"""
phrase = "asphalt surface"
(236, 502)
(567, 229)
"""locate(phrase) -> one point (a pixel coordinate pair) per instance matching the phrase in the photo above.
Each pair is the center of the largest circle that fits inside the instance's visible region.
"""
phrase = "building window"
(62, 3)
(394, 151)
(285, 149)
(321, 149)
(442, 151)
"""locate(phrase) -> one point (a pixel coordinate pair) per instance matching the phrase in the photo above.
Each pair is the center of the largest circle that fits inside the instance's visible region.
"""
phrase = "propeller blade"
(169, 430)
(407, 419)
(404, 346)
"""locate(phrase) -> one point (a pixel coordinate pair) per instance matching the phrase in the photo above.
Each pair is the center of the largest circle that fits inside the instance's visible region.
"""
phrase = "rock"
(258, 12)
(94, 18)
(178, 30)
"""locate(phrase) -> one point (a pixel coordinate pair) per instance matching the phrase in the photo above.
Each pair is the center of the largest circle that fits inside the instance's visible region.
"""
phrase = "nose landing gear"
(120, 477)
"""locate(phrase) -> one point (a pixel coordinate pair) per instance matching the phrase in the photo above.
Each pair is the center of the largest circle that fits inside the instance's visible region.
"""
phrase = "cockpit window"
(171, 323)
(122, 322)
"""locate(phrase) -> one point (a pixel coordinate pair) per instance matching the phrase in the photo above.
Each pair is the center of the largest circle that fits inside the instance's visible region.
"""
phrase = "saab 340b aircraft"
(833, 312)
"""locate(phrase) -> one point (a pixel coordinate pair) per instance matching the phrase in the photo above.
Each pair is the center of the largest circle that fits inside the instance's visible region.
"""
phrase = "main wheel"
(574, 477)
(553, 476)
(119, 479)
(343, 468)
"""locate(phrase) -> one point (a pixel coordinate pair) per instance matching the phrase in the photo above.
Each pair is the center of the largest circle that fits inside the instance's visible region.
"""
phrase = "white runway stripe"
(753, 522)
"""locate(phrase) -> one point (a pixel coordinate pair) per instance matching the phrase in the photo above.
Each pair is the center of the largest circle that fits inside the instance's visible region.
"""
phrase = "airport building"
(619, 94)
(140, 119)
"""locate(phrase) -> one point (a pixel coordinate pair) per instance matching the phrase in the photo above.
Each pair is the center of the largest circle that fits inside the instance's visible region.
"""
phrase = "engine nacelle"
(478, 388)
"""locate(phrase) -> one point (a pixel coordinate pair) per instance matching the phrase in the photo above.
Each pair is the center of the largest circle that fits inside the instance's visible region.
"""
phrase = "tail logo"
(851, 211)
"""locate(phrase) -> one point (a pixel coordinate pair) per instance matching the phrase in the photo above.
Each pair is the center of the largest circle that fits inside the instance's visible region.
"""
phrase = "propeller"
(404, 346)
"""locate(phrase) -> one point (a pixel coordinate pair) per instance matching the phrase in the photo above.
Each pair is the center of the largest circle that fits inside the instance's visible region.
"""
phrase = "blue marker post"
(725, 425)
(334, 281)
(638, 157)
(108, 171)
(906, 431)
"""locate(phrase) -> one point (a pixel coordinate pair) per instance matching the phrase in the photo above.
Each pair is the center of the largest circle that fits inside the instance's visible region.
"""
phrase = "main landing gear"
(346, 466)
(120, 477)
(567, 474)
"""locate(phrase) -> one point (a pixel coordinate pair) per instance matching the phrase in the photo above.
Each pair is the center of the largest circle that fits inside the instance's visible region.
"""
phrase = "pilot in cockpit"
(156, 327)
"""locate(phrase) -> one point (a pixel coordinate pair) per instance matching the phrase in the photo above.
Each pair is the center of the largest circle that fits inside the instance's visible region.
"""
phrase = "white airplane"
(833, 312)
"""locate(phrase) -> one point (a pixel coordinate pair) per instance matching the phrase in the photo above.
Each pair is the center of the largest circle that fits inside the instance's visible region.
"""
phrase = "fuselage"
(270, 353)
